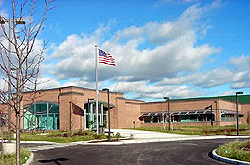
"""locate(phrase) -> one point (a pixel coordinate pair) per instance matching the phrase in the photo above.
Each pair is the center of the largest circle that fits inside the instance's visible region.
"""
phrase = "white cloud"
(216, 77)
(177, 80)
(3, 85)
(168, 66)
(142, 89)
(242, 62)
(207, 79)
(47, 83)
(3, 12)
(226, 93)
(174, 50)
(80, 83)
(239, 85)
(241, 78)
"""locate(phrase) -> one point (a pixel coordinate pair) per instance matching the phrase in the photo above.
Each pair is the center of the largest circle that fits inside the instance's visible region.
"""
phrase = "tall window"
(41, 116)
(90, 115)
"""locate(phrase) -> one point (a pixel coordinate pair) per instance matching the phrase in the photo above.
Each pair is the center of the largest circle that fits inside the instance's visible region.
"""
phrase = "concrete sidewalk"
(137, 137)
(140, 135)
(149, 136)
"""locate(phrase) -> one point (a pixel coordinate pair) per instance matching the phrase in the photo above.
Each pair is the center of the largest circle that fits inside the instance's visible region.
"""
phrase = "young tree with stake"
(19, 62)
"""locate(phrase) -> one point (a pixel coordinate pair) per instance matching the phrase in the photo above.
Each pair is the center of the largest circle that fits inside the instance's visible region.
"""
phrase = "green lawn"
(60, 136)
(239, 150)
(10, 159)
(201, 130)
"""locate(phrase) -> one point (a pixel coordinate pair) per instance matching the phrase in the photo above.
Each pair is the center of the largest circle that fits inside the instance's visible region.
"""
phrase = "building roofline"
(225, 98)
(57, 88)
(122, 98)
(199, 99)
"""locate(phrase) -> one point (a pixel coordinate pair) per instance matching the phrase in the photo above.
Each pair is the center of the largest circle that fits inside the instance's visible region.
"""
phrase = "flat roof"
(243, 99)
(69, 87)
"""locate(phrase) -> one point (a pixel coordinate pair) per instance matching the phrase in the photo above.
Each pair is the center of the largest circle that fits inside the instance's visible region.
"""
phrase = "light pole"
(89, 99)
(211, 108)
(107, 90)
(3, 21)
(216, 113)
(237, 111)
(169, 116)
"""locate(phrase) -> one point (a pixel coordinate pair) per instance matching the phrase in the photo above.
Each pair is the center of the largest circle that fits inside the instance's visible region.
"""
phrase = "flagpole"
(96, 86)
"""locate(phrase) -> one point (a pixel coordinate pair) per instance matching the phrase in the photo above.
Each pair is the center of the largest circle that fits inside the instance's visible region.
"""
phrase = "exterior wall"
(67, 98)
(4, 111)
(225, 123)
(45, 95)
(154, 107)
(128, 113)
(227, 105)
(103, 96)
(245, 109)
(177, 105)
(124, 111)
(79, 96)
(65, 112)
(190, 105)
(176, 124)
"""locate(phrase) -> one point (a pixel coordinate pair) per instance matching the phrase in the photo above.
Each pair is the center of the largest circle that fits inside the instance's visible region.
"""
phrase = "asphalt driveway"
(177, 152)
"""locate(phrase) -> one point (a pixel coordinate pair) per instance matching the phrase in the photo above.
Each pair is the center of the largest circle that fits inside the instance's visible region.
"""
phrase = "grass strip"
(200, 130)
(239, 150)
(10, 159)
(62, 137)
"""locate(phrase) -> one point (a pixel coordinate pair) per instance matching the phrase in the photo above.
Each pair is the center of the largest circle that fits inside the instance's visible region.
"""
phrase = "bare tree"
(162, 107)
(19, 61)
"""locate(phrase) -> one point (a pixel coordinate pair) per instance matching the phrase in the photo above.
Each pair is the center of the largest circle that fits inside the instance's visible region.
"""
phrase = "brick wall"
(190, 105)
(125, 111)
(128, 113)
(245, 109)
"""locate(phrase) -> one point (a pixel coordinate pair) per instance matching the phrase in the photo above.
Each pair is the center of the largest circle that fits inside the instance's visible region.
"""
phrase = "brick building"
(73, 108)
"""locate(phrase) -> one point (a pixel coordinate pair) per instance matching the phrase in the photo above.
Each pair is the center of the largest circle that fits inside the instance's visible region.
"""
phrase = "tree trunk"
(18, 118)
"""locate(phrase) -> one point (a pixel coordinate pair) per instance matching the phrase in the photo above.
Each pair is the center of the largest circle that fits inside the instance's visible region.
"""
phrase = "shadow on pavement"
(56, 161)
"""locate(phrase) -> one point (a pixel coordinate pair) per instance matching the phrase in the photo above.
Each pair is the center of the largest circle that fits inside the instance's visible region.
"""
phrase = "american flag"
(106, 58)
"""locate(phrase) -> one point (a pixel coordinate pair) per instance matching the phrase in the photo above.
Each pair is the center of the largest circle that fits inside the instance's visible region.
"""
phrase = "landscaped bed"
(62, 137)
(239, 150)
(10, 159)
(201, 130)
(59, 136)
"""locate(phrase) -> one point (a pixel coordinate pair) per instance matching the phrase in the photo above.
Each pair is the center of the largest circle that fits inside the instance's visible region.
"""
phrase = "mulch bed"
(111, 140)
(247, 147)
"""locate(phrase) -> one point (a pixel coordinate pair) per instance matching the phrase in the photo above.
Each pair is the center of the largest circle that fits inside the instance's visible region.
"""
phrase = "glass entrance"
(90, 115)
(41, 116)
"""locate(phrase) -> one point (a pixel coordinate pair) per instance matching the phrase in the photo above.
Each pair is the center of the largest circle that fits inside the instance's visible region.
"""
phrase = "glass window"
(147, 119)
(41, 116)
(227, 117)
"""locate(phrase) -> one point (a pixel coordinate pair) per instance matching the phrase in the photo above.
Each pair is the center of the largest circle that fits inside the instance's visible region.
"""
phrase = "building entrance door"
(90, 116)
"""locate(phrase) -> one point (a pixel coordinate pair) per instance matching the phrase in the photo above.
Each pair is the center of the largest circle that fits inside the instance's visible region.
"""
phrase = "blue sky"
(180, 49)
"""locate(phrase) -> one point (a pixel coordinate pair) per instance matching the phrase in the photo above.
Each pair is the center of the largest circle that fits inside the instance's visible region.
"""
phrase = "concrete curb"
(30, 160)
(132, 141)
(42, 142)
(228, 160)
